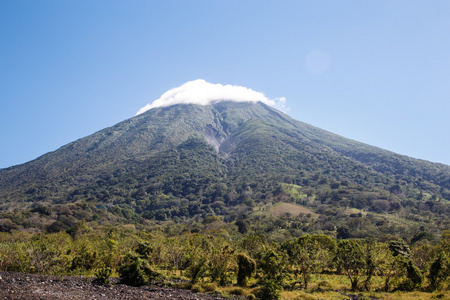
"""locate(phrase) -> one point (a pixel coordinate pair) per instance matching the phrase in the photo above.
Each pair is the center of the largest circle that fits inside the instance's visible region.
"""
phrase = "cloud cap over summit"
(203, 93)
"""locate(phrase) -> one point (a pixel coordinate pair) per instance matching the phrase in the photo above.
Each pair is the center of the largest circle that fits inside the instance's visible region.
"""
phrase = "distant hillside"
(231, 160)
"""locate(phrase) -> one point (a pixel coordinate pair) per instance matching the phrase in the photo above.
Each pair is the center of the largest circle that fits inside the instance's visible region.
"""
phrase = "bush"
(269, 290)
(102, 275)
(133, 273)
(136, 271)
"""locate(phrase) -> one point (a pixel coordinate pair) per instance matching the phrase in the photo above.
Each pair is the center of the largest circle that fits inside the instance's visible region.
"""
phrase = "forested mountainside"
(245, 163)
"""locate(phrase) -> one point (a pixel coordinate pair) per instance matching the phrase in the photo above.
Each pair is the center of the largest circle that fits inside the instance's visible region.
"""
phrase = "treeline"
(398, 209)
(217, 255)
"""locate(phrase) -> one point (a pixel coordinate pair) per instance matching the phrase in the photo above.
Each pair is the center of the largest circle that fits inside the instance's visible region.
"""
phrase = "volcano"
(226, 159)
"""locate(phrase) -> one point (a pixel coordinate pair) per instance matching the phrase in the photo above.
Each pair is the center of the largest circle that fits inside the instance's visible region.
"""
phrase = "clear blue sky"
(374, 71)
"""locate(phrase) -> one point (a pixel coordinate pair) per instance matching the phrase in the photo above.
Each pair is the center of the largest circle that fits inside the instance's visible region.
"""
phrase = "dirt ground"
(26, 286)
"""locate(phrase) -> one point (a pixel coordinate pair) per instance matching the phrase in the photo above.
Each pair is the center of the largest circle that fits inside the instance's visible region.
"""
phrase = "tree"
(175, 252)
(371, 258)
(343, 233)
(273, 265)
(349, 257)
(196, 267)
(246, 268)
(408, 274)
(219, 264)
(422, 255)
(414, 277)
(198, 248)
(306, 256)
(388, 266)
(242, 226)
(399, 247)
(439, 271)
(252, 244)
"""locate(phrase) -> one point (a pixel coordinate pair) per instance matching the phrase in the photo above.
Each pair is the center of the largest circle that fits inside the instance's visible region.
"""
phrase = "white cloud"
(201, 92)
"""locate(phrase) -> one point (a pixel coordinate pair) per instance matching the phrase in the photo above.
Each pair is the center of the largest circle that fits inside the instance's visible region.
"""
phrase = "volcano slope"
(185, 162)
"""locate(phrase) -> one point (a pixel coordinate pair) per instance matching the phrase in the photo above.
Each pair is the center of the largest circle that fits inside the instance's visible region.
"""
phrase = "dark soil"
(26, 286)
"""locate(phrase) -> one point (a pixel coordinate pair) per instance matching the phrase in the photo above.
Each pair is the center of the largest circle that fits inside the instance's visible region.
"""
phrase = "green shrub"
(102, 275)
(136, 271)
(269, 290)
(144, 249)
(132, 273)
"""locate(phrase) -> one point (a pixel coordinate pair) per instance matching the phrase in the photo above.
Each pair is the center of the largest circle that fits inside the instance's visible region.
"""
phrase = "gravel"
(15, 285)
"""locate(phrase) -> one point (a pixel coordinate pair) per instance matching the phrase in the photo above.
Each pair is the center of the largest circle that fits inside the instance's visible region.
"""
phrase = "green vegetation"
(219, 259)
(103, 274)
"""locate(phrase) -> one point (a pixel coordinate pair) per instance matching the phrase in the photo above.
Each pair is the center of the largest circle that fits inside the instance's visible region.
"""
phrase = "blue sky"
(373, 71)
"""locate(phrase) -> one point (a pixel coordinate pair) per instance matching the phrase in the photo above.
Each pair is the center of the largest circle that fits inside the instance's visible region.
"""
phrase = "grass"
(297, 295)
(416, 295)
(330, 287)
(197, 288)
(329, 282)
(234, 290)
(280, 209)
(312, 294)
(322, 286)
(209, 287)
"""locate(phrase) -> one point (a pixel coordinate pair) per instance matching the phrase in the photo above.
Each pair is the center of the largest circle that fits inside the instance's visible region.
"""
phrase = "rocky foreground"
(26, 286)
